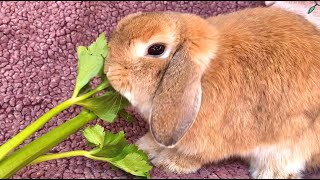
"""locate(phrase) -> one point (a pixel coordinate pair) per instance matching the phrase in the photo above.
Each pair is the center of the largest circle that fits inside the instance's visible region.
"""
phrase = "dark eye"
(156, 49)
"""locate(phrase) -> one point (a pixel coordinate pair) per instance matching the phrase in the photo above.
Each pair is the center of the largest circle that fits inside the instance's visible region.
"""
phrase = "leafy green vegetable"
(118, 152)
(99, 47)
(90, 62)
(135, 164)
(95, 135)
(106, 106)
(85, 89)
(114, 143)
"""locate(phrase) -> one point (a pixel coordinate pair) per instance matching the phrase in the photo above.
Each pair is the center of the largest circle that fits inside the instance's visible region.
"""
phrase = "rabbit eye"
(156, 49)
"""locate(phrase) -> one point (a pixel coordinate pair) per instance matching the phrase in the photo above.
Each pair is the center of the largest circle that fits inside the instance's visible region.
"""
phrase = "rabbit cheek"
(119, 80)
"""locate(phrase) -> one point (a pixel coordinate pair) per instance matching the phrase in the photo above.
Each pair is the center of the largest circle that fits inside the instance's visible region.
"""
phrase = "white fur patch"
(128, 95)
(205, 58)
(271, 159)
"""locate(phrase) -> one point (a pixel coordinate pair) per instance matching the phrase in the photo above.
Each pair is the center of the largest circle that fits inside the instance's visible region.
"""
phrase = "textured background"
(38, 70)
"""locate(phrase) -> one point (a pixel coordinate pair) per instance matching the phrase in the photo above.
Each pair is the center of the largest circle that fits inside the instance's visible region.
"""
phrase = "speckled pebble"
(38, 66)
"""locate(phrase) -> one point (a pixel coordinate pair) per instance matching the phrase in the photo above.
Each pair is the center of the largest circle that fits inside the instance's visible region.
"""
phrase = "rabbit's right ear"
(177, 100)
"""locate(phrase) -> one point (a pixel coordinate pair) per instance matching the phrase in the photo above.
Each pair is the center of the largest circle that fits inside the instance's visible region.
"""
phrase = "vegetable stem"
(11, 144)
(68, 154)
(29, 130)
(22, 157)
(100, 87)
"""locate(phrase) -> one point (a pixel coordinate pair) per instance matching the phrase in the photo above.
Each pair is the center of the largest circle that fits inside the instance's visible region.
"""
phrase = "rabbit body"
(243, 84)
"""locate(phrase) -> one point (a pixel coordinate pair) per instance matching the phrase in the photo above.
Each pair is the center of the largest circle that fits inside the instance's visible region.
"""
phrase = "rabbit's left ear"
(177, 100)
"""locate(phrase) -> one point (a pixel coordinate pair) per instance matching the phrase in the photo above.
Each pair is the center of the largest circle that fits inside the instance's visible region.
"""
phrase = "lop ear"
(177, 100)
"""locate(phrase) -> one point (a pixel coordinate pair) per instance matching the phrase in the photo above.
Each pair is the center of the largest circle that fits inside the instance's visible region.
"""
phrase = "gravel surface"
(38, 66)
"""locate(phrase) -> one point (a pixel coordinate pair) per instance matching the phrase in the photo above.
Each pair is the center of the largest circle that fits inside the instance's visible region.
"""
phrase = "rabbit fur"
(243, 84)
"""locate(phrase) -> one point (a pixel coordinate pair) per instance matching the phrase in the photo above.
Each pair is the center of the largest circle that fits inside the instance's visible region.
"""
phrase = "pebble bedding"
(38, 65)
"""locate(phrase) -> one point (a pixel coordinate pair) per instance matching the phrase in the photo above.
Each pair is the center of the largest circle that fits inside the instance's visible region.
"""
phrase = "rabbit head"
(156, 61)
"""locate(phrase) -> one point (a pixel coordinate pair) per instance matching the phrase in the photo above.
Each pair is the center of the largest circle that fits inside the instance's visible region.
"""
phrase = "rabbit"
(243, 84)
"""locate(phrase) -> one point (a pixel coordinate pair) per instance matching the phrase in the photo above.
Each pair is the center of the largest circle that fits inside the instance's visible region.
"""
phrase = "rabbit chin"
(128, 95)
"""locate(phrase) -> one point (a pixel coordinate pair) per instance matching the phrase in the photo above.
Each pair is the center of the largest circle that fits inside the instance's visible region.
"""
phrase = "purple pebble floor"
(38, 65)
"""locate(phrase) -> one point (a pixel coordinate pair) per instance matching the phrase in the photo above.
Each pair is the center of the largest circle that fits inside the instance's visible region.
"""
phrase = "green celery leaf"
(95, 135)
(99, 46)
(85, 89)
(90, 62)
(124, 160)
(120, 154)
(114, 139)
(113, 145)
(135, 164)
(106, 106)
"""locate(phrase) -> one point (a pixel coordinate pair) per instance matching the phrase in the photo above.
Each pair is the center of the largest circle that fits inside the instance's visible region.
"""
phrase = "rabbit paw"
(168, 160)
(277, 163)
(148, 145)
(268, 173)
